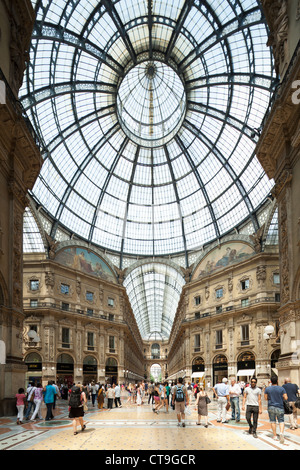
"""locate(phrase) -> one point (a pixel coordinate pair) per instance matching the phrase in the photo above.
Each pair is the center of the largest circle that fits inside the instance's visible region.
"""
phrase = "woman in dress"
(201, 405)
(77, 413)
(100, 397)
(139, 395)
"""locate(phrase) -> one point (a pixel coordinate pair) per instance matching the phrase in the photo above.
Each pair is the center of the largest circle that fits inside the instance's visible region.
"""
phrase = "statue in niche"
(52, 245)
(187, 272)
(121, 274)
(257, 239)
(261, 275)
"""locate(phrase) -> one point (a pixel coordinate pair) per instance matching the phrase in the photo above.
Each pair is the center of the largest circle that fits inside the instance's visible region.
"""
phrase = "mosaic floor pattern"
(137, 428)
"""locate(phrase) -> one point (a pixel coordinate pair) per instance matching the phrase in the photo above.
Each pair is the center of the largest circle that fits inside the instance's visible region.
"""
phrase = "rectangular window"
(65, 289)
(89, 311)
(90, 341)
(245, 335)
(219, 309)
(245, 284)
(219, 293)
(89, 296)
(196, 343)
(197, 300)
(110, 302)
(277, 297)
(65, 337)
(219, 339)
(33, 302)
(111, 344)
(65, 306)
(34, 284)
(276, 278)
(245, 302)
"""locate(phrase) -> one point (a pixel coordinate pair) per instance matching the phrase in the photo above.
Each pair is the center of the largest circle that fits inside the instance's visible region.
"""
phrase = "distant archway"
(156, 373)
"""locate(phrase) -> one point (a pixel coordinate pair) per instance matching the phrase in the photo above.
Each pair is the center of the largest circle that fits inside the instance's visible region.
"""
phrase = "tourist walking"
(139, 394)
(129, 391)
(77, 401)
(234, 396)
(180, 399)
(93, 393)
(100, 397)
(201, 406)
(151, 391)
(252, 400)
(221, 391)
(21, 400)
(292, 390)
(157, 398)
(38, 400)
(275, 396)
(30, 399)
(164, 397)
(49, 394)
(110, 397)
(117, 396)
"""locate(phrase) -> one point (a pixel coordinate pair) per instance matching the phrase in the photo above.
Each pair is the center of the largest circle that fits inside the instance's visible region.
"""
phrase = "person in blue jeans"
(234, 396)
(275, 395)
(49, 394)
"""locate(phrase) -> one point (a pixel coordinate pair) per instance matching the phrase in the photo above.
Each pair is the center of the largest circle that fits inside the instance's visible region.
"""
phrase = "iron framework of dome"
(148, 114)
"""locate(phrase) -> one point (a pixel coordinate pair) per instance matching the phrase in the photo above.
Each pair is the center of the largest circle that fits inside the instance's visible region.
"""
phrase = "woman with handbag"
(77, 403)
(202, 401)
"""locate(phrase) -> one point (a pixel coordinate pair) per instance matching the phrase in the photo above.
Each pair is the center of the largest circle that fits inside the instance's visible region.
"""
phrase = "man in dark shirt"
(292, 390)
(275, 396)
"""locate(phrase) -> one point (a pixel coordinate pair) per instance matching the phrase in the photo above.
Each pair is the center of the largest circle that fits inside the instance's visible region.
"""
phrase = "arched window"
(155, 351)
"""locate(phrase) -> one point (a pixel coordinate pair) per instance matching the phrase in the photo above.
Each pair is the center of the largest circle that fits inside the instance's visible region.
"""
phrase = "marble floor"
(135, 428)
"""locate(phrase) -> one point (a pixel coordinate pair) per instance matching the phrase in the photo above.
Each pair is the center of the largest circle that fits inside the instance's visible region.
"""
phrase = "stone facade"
(279, 153)
(83, 321)
(234, 293)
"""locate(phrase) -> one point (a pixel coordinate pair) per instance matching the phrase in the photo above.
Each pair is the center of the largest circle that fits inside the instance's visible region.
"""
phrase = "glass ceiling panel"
(32, 240)
(148, 126)
(154, 290)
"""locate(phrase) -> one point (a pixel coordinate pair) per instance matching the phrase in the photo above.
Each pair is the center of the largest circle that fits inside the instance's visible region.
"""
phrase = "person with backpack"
(180, 398)
(76, 407)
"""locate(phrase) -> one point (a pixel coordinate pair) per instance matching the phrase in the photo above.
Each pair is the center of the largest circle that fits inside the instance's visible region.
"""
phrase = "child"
(21, 398)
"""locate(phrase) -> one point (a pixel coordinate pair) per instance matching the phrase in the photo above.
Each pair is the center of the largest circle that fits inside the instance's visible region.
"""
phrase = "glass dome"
(148, 113)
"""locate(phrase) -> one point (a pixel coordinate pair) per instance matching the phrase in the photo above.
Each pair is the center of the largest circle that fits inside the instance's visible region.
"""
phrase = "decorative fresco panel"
(86, 261)
(221, 257)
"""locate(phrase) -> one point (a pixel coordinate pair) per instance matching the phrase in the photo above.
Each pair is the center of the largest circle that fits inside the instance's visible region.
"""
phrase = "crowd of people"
(231, 397)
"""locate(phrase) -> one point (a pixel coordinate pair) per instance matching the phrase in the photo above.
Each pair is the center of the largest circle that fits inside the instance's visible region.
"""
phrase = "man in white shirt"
(117, 396)
(252, 395)
(234, 395)
(221, 391)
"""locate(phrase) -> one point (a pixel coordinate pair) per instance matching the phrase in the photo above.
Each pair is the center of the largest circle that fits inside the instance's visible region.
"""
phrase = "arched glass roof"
(154, 290)
(148, 114)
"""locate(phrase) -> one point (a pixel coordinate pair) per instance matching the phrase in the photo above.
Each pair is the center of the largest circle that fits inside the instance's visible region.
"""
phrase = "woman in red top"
(21, 399)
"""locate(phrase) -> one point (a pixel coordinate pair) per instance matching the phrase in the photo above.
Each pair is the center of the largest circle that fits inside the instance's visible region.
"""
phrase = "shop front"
(246, 366)
(90, 370)
(35, 368)
(65, 370)
(220, 368)
(111, 371)
(198, 371)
